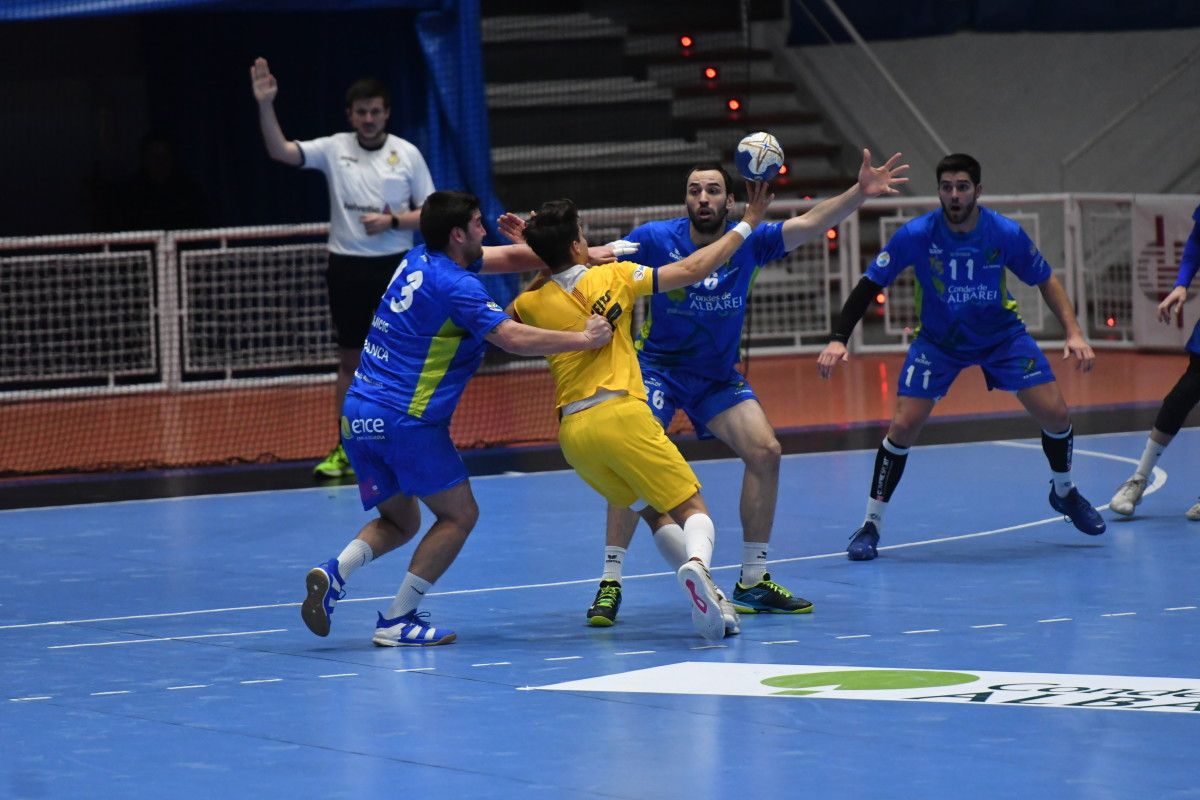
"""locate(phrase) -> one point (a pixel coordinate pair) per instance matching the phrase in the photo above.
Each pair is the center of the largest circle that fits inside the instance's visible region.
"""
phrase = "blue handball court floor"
(155, 648)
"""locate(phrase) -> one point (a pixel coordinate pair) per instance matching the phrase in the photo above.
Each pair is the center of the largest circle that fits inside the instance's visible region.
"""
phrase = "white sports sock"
(699, 535)
(669, 541)
(754, 562)
(1150, 457)
(614, 557)
(411, 592)
(1062, 483)
(875, 509)
(356, 554)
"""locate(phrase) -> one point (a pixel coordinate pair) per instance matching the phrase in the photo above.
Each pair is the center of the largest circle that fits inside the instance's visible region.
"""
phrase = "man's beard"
(710, 225)
(961, 216)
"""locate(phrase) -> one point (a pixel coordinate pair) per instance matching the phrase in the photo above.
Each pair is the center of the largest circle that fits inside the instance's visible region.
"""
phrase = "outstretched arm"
(262, 82)
(513, 228)
(707, 258)
(1075, 345)
(872, 182)
(526, 340)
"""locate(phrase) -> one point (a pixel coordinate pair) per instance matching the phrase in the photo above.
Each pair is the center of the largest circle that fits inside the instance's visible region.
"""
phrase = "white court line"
(699, 647)
(926, 630)
(1159, 479)
(785, 641)
(855, 636)
(262, 680)
(993, 625)
(340, 675)
(494, 664)
(414, 669)
(563, 658)
(106, 694)
(164, 639)
(189, 686)
(30, 699)
(1121, 614)
(635, 653)
(1181, 608)
(1056, 619)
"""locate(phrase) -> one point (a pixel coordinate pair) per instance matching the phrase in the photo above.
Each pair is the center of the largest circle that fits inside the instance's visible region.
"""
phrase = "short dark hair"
(713, 166)
(443, 212)
(365, 89)
(959, 162)
(552, 231)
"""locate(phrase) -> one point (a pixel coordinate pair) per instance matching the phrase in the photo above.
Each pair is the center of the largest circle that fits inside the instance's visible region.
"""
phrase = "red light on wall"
(881, 298)
(733, 103)
(831, 234)
(710, 73)
(1111, 322)
(686, 41)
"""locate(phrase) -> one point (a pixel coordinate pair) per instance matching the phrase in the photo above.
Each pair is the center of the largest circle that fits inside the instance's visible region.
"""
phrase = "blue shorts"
(393, 452)
(700, 397)
(1014, 364)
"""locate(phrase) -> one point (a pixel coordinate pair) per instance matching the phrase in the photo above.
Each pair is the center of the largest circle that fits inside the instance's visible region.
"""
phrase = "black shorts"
(356, 283)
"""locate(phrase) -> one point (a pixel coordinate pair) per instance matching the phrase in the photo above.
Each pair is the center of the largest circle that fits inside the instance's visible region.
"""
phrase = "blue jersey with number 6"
(698, 328)
(962, 296)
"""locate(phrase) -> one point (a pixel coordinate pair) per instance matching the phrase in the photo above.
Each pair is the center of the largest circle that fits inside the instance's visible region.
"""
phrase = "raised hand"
(512, 227)
(263, 82)
(758, 199)
(875, 181)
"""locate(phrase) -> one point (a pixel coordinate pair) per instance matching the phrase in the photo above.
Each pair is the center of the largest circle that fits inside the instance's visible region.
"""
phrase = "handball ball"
(759, 157)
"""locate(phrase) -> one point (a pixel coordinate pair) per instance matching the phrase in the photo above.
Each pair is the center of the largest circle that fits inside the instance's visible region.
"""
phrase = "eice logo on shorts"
(363, 428)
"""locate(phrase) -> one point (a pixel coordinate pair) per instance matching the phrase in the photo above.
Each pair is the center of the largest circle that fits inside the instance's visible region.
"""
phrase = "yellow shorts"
(621, 451)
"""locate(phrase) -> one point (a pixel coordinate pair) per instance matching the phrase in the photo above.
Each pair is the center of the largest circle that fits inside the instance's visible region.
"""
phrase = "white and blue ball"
(759, 157)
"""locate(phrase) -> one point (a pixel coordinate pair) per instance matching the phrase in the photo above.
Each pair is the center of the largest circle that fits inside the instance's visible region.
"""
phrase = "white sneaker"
(704, 598)
(1193, 513)
(733, 623)
(1128, 495)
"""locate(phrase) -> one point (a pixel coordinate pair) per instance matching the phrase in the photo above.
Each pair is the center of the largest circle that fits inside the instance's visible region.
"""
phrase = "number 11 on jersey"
(908, 376)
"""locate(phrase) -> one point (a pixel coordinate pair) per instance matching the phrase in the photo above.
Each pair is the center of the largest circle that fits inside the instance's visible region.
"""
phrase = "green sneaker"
(603, 612)
(768, 597)
(334, 465)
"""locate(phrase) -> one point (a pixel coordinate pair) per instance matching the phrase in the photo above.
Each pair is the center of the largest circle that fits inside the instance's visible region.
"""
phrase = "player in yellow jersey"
(607, 432)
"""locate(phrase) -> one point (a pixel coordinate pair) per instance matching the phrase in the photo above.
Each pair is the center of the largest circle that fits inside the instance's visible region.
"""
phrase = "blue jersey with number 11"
(962, 296)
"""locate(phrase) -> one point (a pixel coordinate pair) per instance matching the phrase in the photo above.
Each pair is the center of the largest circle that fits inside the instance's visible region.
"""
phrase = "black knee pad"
(1180, 401)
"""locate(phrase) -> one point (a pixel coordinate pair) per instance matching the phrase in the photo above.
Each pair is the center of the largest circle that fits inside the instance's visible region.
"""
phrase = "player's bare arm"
(872, 182)
(1075, 345)
(265, 88)
(512, 227)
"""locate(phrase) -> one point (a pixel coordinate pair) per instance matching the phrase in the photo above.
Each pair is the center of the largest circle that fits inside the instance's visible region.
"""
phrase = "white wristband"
(744, 229)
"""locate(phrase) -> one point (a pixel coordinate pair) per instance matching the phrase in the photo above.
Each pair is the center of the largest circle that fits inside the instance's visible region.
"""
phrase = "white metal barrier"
(115, 313)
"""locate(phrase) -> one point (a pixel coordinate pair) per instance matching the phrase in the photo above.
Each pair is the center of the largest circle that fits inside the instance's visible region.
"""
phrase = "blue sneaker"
(863, 543)
(1079, 510)
(324, 585)
(410, 630)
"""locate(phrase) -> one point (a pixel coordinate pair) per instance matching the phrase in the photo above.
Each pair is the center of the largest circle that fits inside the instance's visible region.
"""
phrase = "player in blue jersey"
(961, 256)
(688, 349)
(1182, 398)
(426, 340)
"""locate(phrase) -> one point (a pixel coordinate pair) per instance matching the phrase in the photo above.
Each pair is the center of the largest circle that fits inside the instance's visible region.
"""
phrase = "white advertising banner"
(1161, 224)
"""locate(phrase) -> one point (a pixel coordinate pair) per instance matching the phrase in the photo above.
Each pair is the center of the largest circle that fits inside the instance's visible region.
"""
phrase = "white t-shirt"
(391, 179)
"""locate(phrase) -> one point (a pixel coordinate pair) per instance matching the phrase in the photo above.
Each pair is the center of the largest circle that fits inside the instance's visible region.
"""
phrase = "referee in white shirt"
(377, 184)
